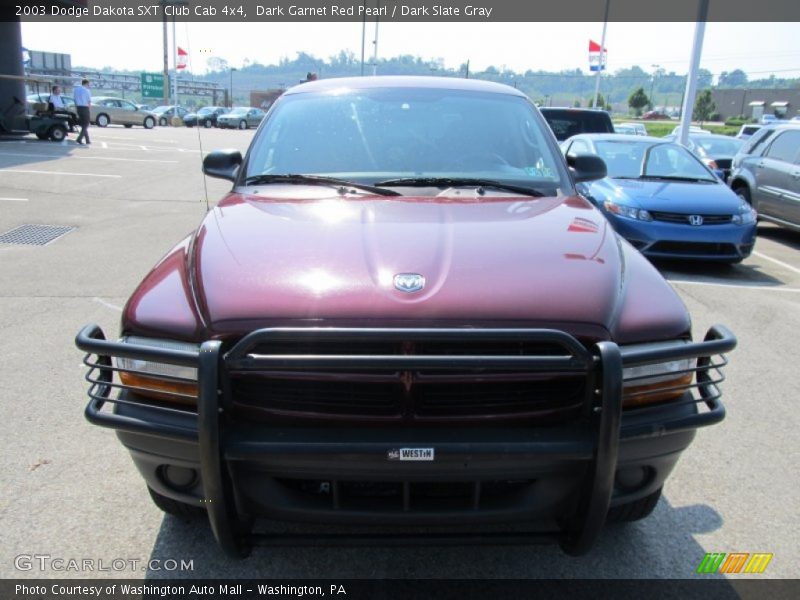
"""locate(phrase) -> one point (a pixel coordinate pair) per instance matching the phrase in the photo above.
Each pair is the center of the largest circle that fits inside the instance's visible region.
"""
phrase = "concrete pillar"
(11, 64)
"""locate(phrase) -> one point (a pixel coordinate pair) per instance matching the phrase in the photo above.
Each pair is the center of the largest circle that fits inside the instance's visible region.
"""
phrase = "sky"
(757, 48)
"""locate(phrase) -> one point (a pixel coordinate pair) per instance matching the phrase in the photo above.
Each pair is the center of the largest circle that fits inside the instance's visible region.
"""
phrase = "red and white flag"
(183, 58)
(597, 60)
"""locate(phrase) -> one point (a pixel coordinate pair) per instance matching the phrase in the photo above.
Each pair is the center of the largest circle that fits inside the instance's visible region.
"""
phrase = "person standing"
(83, 100)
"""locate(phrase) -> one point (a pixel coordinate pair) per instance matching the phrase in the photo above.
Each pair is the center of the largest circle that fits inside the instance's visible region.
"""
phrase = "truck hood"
(272, 259)
(304, 257)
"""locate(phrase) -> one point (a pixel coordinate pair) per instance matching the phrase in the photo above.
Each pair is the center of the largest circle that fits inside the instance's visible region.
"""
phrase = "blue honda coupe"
(665, 201)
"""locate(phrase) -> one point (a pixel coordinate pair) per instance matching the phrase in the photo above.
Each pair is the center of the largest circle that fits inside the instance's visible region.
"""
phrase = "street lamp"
(652, 84)
(230, 100)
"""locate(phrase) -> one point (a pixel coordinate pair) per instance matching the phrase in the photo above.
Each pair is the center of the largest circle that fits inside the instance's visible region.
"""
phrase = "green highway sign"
(152, 85)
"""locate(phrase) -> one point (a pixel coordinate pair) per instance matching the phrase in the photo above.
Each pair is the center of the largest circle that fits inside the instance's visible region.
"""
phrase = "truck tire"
(634, 511)
(175, 508)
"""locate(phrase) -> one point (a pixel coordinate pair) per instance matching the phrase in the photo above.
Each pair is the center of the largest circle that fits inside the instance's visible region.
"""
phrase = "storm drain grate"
(34, 235)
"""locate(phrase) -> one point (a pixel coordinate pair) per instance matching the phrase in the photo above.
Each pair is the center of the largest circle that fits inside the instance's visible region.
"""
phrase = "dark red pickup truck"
(403, 315)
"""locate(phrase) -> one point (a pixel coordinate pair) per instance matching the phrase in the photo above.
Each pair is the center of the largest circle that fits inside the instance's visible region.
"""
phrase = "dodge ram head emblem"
(409, 282)
(695, 219)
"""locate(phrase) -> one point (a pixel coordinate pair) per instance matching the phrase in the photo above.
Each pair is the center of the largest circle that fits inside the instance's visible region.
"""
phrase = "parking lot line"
(756, 286)
(147, 160)
(14, 199)
(58, 173)
(107, 304)
(776, 261)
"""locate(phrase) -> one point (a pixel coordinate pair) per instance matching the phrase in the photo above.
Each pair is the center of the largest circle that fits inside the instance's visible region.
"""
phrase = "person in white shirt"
(55, 99)
(83, 100)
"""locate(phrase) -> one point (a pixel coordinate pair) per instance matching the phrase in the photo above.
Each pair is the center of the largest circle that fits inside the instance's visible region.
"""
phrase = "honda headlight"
(746, 215)
(627, 211)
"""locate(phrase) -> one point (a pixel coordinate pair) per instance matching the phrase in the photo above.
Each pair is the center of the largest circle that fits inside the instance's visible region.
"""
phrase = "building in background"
(783, 103)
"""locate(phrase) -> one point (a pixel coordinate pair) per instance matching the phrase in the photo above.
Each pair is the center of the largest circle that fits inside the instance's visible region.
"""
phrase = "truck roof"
(445, 83)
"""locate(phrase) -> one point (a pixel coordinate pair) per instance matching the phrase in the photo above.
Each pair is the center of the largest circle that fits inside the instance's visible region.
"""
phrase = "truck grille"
(385, 394)
(425, 400)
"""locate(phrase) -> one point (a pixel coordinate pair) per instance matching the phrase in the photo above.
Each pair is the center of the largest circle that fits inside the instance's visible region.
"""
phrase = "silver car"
(767, 174)
(241, 117)
(106, 110)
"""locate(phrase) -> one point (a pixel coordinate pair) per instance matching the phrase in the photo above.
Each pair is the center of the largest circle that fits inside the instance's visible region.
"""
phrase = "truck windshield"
(374, 135)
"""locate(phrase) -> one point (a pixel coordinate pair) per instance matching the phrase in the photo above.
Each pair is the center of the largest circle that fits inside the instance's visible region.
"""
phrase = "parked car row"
(107, 110)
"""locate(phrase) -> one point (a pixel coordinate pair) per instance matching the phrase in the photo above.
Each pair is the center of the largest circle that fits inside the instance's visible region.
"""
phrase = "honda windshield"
(634, 160)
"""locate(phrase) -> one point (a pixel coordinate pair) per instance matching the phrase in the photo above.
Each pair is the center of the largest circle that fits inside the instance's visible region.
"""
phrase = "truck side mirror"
(586, 167)
(223, 164)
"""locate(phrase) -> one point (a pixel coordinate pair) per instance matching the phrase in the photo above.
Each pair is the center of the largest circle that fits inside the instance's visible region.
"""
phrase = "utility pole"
(363, 34)
(652, 84)
(601, 64)
(175, 65)
(375, 41)
(691, 79)
(166, 56)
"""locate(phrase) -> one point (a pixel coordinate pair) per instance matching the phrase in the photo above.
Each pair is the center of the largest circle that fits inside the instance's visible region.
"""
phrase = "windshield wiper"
(462, 181)
(678, 178)
(297, 179)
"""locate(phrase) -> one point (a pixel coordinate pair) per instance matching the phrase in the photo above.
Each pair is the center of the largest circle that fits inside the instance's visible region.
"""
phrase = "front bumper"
(656, 239)
(568, 474)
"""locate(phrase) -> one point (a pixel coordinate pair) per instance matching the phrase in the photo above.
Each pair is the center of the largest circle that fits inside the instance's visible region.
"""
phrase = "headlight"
(659, 382)
(627, 211)
(163, 381)
(746, 215)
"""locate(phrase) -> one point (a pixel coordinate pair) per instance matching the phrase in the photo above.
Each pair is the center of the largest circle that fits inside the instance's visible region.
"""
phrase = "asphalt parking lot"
(70, 490)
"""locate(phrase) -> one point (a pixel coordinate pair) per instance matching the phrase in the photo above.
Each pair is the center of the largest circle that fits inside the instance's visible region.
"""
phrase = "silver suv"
(766, 173)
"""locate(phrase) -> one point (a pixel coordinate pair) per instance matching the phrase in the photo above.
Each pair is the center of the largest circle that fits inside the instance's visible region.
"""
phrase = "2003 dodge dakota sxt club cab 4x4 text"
(401, 315)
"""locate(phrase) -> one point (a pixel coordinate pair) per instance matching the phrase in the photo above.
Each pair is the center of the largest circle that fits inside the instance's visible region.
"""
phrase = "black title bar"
(266, 11)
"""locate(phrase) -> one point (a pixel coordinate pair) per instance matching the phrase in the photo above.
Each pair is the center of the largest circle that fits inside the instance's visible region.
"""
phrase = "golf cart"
(45, 122)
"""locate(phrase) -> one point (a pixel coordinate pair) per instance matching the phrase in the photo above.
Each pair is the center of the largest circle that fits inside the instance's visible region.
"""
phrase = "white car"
(630, 128)
(692, 129)
(747, 130)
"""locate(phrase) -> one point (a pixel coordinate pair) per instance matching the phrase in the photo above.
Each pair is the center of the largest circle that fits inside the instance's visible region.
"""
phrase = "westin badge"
(409, 282)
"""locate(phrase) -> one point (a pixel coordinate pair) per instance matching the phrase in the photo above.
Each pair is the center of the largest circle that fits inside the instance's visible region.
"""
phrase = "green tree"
(732, 79)
(703, 106)
(638, 100)
(601, 102)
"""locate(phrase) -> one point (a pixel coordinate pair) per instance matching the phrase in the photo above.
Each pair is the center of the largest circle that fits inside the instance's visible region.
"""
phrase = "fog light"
(630, 479)
(178, 478)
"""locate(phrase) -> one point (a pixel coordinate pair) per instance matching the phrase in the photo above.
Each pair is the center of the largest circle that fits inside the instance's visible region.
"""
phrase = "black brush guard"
(603, 407)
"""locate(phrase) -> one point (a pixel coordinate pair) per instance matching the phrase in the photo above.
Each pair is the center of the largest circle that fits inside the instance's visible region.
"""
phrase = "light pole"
(652, 84)
(230, 100)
